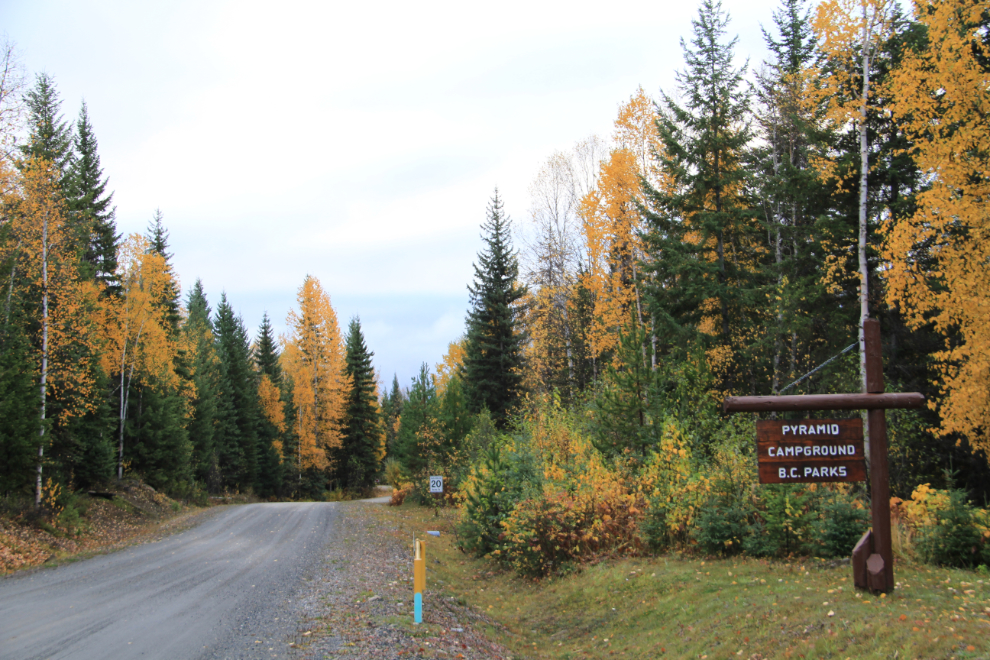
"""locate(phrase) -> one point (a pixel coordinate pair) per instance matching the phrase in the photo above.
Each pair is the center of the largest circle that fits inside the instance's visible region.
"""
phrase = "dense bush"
(722, 526)
(954, 538)
(843, 521)
(493, 488)
(784, 521)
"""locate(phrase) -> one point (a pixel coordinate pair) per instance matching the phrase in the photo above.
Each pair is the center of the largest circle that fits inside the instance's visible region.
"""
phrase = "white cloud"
(358, 142)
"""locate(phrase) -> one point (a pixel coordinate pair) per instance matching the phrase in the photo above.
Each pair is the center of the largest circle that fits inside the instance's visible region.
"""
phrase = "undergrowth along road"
(691, 607)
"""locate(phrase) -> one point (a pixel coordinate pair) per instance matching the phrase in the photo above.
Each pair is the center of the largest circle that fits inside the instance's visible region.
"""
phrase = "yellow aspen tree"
(138, 342)
(313, 360)
(611, 223)
(449, 364)
(43, 265)
(850, 33)
(938, 258)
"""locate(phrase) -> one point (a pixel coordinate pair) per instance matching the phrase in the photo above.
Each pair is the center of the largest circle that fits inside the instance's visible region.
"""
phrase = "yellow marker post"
(419, 580)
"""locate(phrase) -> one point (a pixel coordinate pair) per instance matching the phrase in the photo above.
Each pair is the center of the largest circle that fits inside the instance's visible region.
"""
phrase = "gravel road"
(227, 588)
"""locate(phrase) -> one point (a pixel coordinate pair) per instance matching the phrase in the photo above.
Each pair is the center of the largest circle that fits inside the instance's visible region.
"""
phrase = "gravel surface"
(359, 603)
(227, 588)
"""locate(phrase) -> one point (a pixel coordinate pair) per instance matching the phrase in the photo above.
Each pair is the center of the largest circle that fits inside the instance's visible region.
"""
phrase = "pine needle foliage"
(493, 360)
(357, 461)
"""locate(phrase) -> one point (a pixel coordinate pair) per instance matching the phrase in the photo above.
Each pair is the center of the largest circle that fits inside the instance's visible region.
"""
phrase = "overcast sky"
(356, 142)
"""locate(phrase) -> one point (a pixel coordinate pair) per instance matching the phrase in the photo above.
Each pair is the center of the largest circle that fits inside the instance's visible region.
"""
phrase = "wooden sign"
(810, 451)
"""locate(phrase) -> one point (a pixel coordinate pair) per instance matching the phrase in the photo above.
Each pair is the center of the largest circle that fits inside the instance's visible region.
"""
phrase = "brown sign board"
(810, 450)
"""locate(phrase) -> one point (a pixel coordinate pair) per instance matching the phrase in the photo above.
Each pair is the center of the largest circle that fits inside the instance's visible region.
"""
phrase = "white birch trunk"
(44, 355)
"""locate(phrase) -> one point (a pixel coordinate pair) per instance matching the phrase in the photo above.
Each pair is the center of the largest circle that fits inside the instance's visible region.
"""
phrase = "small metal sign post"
(787, 455)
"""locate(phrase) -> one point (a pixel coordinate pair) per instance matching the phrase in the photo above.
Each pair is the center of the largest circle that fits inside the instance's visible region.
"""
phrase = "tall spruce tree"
(391, 412)
(493, 361)
(701, 230)
(169, 298)
(356, 462)
(419, 424)
(49, 135)
(270, 437)
(198, 329)
(793, 200)
(237, 403)
(92, 207)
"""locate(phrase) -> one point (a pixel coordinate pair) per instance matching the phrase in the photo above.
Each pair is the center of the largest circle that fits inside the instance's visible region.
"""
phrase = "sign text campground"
(810, 451)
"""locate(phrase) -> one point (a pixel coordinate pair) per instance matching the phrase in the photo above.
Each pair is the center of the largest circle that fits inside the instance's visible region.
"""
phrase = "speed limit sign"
(436, 484)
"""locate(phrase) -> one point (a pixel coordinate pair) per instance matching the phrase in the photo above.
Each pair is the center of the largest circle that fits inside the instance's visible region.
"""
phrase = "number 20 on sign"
(436, 484)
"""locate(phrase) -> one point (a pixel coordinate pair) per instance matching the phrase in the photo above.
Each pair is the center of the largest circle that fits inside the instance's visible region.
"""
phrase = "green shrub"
(953, 540)
(722, 526)
(840, 526)
(392, 472)
(654, 528)
(493, 488)
(783, 524)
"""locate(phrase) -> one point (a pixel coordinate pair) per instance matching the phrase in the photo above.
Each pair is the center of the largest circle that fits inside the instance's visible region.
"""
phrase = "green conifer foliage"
(18, 412)
(357, 457)
(624, 403)
(50, 137)
(701, 231)
(92, 207)
(266, 351)
(419, 418)
(270, 467)
(391, 412)
(198, 329)
(158, 238)
(493, 361)
(237, 413)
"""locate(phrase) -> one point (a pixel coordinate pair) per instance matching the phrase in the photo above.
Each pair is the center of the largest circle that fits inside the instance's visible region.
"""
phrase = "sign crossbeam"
(804, 402)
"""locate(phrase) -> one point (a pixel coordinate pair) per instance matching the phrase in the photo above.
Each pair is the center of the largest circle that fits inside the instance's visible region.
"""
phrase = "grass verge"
(687, 607)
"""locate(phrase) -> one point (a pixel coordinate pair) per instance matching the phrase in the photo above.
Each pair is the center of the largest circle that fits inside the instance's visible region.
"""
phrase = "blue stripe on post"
(418, 608)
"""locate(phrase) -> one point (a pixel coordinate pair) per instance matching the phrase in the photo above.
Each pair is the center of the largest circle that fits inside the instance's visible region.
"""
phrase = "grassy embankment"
(692, 607)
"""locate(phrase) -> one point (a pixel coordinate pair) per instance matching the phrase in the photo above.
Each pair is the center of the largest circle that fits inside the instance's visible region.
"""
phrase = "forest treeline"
(729, 237)
(105, 372)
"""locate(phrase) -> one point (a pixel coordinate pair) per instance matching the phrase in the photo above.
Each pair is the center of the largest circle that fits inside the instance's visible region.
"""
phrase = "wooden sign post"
(872, 558)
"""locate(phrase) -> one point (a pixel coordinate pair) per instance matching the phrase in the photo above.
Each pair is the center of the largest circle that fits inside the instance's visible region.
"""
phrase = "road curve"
(213, 591)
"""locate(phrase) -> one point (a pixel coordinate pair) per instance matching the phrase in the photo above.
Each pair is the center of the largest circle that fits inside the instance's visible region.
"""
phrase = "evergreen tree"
(624, 402)
(494, 359)
(356, 463)
(794, 200)
(391, 412)
(18, 411)
(92, 206)
(169, 301)
(701, 232)
(266, 351)
(198, 329)
(270, 432)
(160, 448)
(237, 403)
(455, 416)
(419, 421)
(49, 137)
